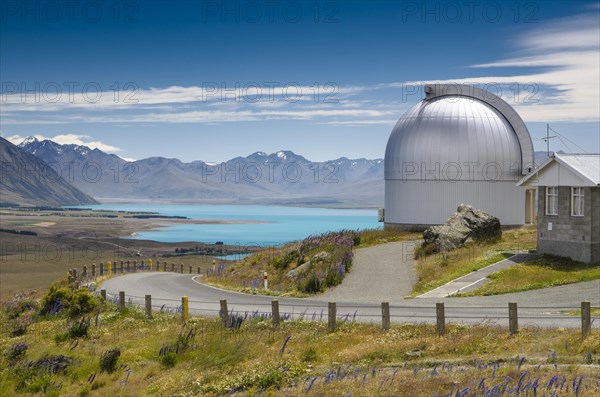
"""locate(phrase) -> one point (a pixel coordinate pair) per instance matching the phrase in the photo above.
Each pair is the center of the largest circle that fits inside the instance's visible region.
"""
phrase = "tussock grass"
(299, 358)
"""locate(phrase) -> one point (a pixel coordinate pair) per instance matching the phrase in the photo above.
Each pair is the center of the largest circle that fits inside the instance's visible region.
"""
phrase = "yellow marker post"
(185, 308)
(109, 268)
(150, 264)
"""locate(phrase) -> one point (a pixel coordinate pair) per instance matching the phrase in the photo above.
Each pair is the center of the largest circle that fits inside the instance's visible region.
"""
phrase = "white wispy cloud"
(557, 74)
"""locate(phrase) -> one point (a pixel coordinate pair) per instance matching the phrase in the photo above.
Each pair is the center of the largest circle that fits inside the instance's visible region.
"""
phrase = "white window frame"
(577, 201)
(554, 195)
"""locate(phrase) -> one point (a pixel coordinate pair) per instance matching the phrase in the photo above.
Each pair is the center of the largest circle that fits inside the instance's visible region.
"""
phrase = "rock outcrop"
(466, 224)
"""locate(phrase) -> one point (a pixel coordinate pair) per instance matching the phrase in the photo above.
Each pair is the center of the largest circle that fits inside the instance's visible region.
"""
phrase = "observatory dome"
(459, 145)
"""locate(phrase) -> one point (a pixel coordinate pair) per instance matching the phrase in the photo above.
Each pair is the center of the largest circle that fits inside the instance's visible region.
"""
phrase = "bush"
(332, 279)
(312, 285)
(55, 301)
(75, 330)
(18, 306)
(59, 300)
(108, 360)
(309, 355)
(82, 302)
(169, 359)
(16, 351)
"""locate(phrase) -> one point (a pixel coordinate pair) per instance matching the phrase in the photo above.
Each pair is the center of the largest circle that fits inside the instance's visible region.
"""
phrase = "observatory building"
(461, 144)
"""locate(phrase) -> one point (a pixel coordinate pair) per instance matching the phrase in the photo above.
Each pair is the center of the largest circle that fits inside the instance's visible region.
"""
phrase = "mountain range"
(282, 178)
(27, 180)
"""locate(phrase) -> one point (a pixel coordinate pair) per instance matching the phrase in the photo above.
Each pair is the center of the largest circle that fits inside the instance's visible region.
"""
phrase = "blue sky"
(204, 80)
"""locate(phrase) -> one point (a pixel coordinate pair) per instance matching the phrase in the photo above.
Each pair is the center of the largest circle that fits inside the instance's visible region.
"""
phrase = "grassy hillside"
(86, 347)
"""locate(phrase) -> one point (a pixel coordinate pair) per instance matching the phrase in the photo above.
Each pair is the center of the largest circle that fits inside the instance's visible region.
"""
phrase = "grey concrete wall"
(574, 237)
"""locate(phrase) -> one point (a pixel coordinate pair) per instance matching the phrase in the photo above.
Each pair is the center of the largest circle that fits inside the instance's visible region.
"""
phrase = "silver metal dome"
(455, 138)
(459, 145)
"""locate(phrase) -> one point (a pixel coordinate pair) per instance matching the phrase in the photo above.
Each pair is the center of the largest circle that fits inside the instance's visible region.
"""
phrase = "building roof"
(585, 166)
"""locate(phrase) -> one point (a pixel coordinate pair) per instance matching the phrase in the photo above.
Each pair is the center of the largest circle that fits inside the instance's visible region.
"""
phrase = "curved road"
(380, 273)
(539, 308)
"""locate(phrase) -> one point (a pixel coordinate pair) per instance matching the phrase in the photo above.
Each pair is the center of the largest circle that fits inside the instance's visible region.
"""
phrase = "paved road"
(536, 308)
(474, 280)
(379, 273)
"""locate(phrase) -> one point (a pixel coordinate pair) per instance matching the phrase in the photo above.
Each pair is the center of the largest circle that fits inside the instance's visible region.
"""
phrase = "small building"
(568, 188)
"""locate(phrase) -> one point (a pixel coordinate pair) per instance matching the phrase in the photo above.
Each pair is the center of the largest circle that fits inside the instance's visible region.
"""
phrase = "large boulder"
(466, 224)
(299, 271)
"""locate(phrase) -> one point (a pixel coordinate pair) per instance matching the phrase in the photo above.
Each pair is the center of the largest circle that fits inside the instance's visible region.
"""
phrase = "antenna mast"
(547, 138)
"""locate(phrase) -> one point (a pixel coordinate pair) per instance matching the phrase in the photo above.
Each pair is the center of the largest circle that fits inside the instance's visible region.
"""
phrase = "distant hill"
(277, 178)
(27, 180)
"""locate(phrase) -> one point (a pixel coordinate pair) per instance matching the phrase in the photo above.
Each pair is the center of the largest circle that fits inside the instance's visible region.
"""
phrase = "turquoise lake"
(282, 224)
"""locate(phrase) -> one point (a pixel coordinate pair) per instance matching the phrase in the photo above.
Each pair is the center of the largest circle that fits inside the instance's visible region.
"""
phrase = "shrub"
(309, 355)
(108, 360)
(332, 279)
(169, 359)
(59, 300)
(75, 330)
(16, 351)
(18, 306)
(55, 301)
(82, 302)
(311, 285)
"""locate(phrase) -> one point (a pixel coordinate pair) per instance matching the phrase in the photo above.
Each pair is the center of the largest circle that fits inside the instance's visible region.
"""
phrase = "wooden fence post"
(181, 266)
(103, 294)
(331, 316)
(165, 266)
(440, 313)
(586, 319)
(148, 306)
(121, 300)
(385, 315)
(185, 308)
(84, 272)
(198, 269)
(134, 266)
(122, 267)
(74, 274)
(172, 267)
(224, 313)
(128, 266)
(101, 268)
(275, 310)
(190, 269)
(93, 270)
(513, 318)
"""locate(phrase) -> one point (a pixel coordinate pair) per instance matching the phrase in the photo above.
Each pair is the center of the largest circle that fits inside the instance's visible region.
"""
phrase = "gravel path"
(379, 273)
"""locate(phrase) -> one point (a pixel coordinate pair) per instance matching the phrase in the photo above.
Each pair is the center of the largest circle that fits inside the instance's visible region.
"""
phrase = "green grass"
(357, 358)
(542, 272)
(437, 269)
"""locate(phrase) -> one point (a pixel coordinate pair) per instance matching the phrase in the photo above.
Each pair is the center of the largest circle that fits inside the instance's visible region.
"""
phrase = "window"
(552, 200)
(577, 201)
